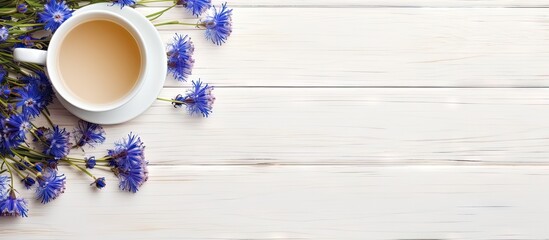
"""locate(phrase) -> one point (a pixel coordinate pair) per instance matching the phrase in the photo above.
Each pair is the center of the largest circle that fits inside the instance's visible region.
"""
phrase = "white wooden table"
(350, 119)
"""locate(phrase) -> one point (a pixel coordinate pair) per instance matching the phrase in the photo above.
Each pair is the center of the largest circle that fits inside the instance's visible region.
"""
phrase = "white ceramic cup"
(50, 59)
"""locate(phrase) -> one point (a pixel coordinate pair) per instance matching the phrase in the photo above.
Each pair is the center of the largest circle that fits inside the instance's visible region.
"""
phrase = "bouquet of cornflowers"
(30, 153)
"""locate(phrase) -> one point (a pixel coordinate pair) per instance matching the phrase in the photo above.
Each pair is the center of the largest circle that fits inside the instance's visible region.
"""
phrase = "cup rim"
(53, 65)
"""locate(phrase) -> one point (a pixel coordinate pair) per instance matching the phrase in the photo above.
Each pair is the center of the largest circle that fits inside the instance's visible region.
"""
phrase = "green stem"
(32, 170)
(30, 150)
(156, 15)
(169, 100)
(14, 168)
(6, 54)
(14, 82)
(7, 10)
(33, 133)
(31, 66)
(19, 155)
(103, 167)
(81, 169)
(18, 41)
(48, 118)
(178, 23)
(9, 170)
(26, 25)
(74, 159)
(84, 160)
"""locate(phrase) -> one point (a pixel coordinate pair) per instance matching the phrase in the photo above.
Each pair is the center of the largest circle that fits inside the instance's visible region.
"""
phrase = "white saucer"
(153, 80)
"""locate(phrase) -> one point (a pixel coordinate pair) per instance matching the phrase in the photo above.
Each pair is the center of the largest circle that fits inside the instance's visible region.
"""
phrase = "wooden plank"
(347, 126)
(384, 3)
(488, 47)
(331, 202)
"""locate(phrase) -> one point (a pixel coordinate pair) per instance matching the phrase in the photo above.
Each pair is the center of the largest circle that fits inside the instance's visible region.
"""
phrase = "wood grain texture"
(386, 3)
(446, 47)
(351, 119)
(332, 202)
(347, 126)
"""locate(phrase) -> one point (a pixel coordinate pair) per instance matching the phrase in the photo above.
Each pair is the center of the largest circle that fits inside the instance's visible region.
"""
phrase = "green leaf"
(4, 11)
(34, 3)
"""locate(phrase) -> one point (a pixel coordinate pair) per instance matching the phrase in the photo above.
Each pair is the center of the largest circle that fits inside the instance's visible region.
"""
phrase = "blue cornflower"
(54, 14)
(218, 23)
(57, 143)
(4, 185)
(88, 133)
(39, 167)
(39, 133)
(28, 181)
(50, 186)
(5, 92)
(180, 57)
(26, 42)
(91, 162)
(99, 183)
(17, 125)
(29, 99)
(52, 163)
(128, 162)
(123, 3)
(41, 83)
(128, 153)
(197, 7)
(4, 34)
(3, 73)
(132, 179)
(22, 8)
(9, 138)
(19, 165)
(198, 100)
(13, 206)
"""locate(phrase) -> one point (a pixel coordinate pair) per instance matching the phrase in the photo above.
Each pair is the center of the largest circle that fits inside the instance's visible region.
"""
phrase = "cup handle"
(30, 55)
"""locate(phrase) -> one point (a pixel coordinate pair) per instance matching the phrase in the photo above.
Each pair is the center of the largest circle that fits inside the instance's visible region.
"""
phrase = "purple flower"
(10, 136)
(40, 82)
(99, 183)
(56, 142)
(197, 7)
(28, 99)
(50, 186)
(22, 8)
(4, 34)
(35, 96)
(180, 57)
(132, 179)
(20, 165)
(13, 206)
(88, 133)
(26, 42)
(218, 23)
(198, 100)
(54, 14)
(5, 92)
(28, 181)
(17, 126)
(39, 167)
(90, 162)
(3, 73)
(4, 185)
(123, 3)
(127, 161)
